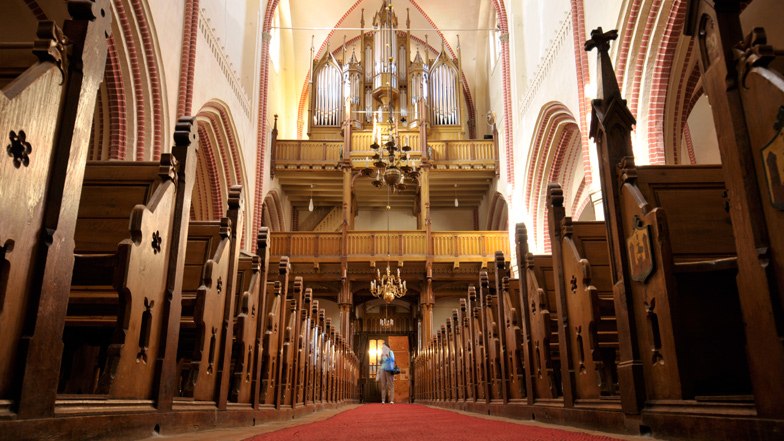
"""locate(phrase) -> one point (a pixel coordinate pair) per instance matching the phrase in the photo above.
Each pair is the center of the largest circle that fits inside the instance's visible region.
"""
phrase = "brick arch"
(261, 122)
(209, 187)
(663, 81)
(223, 162)
(498, 220)
(650, 65)
(681, 97)
(139, 56)
(273, 212)
(108, 139)
(555, 147)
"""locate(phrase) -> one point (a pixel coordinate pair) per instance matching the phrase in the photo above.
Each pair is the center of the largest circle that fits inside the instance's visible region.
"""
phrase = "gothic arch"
(130, 121)
(498, 220)
(656, 65)
(555, 156)
(272, 210)
(220, 164)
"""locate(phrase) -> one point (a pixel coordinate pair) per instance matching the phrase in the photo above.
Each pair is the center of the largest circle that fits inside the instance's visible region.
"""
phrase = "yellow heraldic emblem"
(773, 162)
(638, 246)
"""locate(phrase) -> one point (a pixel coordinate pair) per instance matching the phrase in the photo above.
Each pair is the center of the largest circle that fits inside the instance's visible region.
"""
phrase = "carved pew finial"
(607, 85)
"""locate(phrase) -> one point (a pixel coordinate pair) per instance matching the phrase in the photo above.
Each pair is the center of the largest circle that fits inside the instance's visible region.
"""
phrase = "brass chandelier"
(388, 286)
(386, 322)
(393, 164)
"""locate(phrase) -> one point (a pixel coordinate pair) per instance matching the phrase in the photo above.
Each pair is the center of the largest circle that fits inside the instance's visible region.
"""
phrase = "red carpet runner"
(404, 422)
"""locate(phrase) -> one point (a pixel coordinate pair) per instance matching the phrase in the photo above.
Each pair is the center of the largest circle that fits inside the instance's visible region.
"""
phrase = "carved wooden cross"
(600, 39)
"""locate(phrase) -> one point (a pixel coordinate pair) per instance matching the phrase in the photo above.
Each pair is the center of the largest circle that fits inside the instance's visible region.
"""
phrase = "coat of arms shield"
(638, 247)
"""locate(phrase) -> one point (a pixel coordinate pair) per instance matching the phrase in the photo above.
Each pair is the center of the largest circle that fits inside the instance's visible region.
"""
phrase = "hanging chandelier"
(392, 163)
(388, 286)
(386, 322)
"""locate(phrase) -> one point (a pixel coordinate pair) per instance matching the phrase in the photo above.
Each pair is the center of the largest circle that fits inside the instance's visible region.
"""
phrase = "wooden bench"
(271, 338)
(513, 339)
(543, 318)
(582, 251)
(480, 367)
(743, 80)
(46, 107)
(468, 350)
(117, 309)
(251, 281)
(673, 246)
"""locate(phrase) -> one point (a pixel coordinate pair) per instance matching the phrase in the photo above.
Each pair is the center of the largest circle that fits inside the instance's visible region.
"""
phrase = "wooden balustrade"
(463, 153)
(470, 153)
(292, 153)
(467, 246)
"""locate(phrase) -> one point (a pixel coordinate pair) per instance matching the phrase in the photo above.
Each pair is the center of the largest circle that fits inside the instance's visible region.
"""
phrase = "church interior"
(215, 212)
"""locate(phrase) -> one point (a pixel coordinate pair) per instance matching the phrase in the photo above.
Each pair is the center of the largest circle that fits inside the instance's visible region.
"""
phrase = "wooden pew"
(251, 287)
(121, 273)
(269, 364)
(468, 351)
(314, 354)
(206, 269)
(46, 107)
(459, 355)
(545, 357)
(581, 252)
(675, 263)
(513, 339)
(480, 367)
(208, 276)
(289, 348)
(746, 92)
(492, 340)
(304, 345)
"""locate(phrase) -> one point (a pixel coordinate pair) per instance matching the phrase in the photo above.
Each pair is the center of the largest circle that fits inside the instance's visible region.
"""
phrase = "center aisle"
(401, 422)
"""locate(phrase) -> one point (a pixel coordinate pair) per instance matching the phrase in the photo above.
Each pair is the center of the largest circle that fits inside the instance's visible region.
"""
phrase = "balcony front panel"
(464, 246)
(294, 154)
(376, 245)
(306, 246)
(469, 245)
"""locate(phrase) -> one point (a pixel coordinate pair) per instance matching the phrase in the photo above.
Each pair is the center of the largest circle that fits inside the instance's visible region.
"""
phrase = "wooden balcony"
(403, 246)
(308, 169)
(309, 155)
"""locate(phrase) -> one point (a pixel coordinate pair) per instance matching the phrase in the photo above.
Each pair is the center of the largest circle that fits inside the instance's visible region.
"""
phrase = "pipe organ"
(379, 83)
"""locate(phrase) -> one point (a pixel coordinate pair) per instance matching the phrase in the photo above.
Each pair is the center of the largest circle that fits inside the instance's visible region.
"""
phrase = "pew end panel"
(546, 368)
(209, 243)
(31, 98)
(248, 283)
(590, 309)
(111, 193)
(681, 250)
(141, 275)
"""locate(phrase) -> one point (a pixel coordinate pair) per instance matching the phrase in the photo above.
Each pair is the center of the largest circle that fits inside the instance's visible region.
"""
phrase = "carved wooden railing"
(463, 153)
(469, 245)
(452, 154)
(294, 153)
(375, 245)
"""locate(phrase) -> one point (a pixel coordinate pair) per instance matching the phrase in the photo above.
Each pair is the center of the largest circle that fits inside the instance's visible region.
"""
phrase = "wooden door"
(399, 345)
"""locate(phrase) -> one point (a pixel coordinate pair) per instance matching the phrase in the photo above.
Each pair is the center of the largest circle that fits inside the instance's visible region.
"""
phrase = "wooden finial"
(607, 85)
